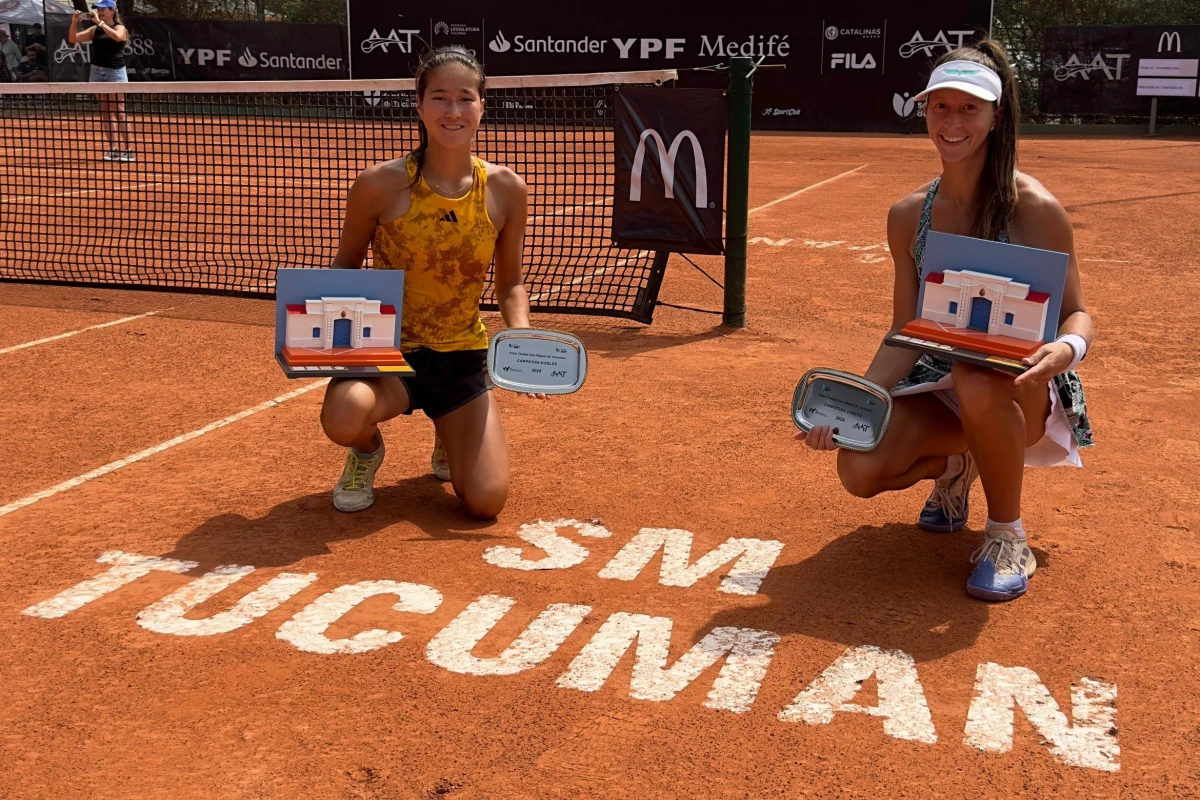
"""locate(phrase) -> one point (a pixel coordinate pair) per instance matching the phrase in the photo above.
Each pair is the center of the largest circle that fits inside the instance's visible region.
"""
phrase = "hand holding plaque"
(536, 362)
(856, 411)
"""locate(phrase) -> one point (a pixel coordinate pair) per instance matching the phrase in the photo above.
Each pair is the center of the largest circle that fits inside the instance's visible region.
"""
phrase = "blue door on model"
(341, 332)
(981, 314)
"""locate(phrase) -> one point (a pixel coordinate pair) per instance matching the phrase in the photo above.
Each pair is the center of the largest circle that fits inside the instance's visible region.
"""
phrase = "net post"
(737, 193)
(1153, 114)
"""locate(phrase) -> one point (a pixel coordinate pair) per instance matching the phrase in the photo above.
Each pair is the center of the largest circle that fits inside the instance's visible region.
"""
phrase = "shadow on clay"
(307, 526)
(895, 587)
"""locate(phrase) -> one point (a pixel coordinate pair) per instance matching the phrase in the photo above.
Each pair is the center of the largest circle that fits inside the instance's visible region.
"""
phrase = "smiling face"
(451, 106)
(959, 124)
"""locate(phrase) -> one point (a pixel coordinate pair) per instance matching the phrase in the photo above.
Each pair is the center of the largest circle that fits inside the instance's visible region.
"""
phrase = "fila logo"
(450, 217)
(1166, 39)
(852, 61)
(666, 161)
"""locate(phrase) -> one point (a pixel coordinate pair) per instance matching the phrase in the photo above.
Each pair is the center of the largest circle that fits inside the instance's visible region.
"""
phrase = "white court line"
(561, 287)
(246, 182)
(564, 211)
(1107, 260)
(81, 330)
(117, 188)
(158, 448)
(808, 188)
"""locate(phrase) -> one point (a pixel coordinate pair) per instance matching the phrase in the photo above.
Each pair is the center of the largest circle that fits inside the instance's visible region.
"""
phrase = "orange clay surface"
(1006, 346)
(363, 356)
(682, 425)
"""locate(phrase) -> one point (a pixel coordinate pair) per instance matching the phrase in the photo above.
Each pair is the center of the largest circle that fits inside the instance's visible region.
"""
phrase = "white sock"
(954, 467)
(1018, 526)
(371, 454)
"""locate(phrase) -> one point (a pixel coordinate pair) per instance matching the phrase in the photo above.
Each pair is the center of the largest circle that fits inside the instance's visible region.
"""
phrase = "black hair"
(431, 63)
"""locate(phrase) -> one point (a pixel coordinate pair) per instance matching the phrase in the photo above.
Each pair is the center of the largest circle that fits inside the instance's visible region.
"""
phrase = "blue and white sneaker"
(1003, 566)
(946, 509)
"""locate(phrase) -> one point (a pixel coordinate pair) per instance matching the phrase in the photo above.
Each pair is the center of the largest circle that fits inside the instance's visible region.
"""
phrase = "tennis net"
(227, 182)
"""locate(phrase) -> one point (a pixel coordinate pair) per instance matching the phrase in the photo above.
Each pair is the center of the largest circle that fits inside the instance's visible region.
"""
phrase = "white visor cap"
(965, 76)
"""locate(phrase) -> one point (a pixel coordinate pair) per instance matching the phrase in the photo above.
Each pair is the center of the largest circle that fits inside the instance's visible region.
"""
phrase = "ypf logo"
(1165, 40)
(500, 44)
(831, 32)
(666, 160)
(919, 44)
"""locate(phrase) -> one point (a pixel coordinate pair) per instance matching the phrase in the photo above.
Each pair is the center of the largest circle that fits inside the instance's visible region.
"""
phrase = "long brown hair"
(431, 63)
(998, 184)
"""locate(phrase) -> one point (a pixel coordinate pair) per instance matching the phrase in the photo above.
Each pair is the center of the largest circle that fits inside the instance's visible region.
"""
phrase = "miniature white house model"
(986, 303)
(341, 322)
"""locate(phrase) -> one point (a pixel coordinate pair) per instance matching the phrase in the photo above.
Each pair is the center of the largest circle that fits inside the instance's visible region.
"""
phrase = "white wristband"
(1078, 347)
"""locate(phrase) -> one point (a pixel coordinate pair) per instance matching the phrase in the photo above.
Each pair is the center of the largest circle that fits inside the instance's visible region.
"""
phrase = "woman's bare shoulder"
(504, 178)
(905, 213)
(1038, 210)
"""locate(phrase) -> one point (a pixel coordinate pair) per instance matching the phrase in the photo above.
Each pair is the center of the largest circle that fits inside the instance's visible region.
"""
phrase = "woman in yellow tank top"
(440, 214)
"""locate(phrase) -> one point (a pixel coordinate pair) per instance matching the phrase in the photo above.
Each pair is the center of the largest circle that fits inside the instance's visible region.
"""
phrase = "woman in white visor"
(952, 421)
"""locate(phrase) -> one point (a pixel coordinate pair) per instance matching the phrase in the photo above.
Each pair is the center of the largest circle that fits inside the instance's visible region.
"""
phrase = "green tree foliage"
(1021, 24)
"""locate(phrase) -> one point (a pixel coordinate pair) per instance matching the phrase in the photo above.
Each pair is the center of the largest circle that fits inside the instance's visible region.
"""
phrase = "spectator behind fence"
(36, 36)
(32, 68)
(10, 55)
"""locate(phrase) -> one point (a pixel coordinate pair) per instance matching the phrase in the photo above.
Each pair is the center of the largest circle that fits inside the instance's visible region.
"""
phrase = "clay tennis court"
(179, 673)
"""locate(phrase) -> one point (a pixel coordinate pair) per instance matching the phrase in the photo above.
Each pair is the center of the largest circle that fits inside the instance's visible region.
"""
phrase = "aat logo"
(944, 41)
(401, 38)
(1110, 65)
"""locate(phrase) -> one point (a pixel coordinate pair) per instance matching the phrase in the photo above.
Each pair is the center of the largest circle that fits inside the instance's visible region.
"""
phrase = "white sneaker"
(127, 156)
(440, 461)
(946, 509)
(111, 155)
(1003, 566)
(355, 490)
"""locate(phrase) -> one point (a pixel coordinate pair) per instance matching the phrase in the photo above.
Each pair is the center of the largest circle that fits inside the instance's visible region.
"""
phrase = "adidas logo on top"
(450, 217)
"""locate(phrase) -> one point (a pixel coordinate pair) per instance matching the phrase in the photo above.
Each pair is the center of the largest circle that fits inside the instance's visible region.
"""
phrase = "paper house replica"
(985, 313)
(341, 331)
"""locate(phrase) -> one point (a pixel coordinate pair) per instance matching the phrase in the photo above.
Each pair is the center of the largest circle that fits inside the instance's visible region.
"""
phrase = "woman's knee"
(860, 474)
(347, 408)
(980, 390)
(484, 499)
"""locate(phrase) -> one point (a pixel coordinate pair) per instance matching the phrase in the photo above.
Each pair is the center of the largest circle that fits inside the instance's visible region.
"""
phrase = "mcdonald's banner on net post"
(670, 169)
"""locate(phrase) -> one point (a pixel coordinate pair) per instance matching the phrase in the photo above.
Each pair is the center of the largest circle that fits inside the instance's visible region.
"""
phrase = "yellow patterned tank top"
(445, 248)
